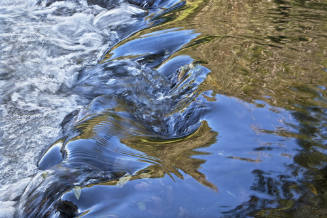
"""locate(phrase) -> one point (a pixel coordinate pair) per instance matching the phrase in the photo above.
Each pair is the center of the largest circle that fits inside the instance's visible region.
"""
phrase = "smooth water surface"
(163, 108)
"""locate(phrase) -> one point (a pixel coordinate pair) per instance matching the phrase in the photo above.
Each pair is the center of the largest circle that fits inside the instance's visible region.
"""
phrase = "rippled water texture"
(163, 108)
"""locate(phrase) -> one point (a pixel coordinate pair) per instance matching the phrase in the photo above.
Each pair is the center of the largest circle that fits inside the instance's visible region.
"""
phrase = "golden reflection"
(164, 156)
(177, 154)
(172, 156)
(261, 50)
(172, 19)
(269, 50)
(245, 159)
(112, 124)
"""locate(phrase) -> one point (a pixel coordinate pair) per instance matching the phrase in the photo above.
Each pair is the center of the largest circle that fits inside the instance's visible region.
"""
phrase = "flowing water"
(163, 108)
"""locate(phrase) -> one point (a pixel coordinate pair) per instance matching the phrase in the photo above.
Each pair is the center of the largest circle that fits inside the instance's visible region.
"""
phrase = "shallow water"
(171, 109)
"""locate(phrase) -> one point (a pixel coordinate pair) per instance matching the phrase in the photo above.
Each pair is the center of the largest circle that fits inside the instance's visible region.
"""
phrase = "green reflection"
(175, 155)
(257, 49)
(166, 156)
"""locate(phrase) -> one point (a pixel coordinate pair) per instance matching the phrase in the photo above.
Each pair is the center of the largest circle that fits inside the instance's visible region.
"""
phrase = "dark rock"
(67, 209)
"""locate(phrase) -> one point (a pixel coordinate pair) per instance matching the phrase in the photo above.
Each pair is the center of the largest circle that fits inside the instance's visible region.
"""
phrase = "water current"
(163, 108)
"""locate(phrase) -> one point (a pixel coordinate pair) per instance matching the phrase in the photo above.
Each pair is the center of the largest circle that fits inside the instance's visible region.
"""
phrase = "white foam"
(42, 49)
(7, 209)
(9, 195)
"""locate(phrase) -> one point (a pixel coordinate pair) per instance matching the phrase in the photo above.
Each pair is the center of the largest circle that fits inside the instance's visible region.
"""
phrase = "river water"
(202, 108)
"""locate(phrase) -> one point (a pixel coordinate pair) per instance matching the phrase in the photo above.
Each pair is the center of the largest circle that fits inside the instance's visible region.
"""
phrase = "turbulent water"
(162, 108)
(42, 50)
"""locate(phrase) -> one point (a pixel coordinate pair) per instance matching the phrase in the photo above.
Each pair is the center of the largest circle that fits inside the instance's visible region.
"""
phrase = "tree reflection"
(300, 191)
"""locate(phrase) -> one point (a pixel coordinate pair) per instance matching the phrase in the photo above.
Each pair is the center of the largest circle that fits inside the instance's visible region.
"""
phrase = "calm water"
(163, 108)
